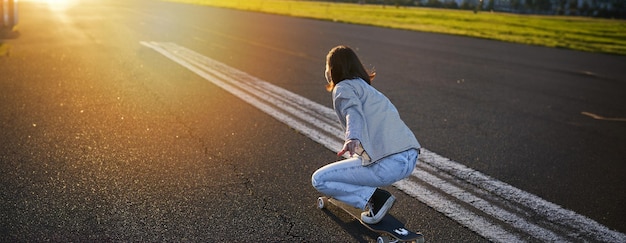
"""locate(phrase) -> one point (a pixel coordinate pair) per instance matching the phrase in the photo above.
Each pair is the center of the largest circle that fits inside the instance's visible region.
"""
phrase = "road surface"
(145, 121)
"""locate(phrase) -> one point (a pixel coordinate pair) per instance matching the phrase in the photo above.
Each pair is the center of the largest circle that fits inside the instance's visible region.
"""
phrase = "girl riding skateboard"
(386, 149)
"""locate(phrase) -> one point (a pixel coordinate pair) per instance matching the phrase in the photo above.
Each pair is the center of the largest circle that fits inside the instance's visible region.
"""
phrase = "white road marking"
(598, 117)
(481, 225)
(493, 209)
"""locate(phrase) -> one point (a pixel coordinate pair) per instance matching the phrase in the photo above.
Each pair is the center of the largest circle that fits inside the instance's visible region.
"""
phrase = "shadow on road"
(5, 34)
(9, 33)
(350, 225)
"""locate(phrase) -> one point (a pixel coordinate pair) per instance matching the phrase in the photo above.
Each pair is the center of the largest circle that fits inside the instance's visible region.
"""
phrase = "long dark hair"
(343, 64)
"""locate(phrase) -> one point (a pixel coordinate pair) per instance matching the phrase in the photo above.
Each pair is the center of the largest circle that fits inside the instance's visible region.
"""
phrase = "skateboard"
(390, 228)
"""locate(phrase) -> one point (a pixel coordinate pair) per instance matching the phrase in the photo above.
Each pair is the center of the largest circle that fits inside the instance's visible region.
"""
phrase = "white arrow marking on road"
(491, 208)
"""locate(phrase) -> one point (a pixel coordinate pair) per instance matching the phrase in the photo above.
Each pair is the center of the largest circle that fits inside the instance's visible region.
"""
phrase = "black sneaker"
(379, 205)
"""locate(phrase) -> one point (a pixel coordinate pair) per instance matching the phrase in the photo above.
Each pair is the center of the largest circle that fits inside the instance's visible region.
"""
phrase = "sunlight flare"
(59, 5)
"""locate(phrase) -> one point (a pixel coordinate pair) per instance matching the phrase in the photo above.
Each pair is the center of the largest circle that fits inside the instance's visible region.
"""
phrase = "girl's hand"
(349, 146)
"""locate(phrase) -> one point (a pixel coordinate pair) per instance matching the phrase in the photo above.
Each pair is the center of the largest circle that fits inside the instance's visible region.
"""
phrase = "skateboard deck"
(390, 228)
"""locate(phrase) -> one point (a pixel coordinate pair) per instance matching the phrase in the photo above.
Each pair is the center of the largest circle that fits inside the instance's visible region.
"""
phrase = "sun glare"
(60, 5)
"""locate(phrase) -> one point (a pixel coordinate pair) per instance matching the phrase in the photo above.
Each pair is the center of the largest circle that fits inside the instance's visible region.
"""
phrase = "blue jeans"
(350, 182)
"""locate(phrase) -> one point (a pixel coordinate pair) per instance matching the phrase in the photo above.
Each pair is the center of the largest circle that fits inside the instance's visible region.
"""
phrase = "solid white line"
(493, 210)
(551, 211)
(315, 121)
(311, 133)
(245, 82)
(476, 223)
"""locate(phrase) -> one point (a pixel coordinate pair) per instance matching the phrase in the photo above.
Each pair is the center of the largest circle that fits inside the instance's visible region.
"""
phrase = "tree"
(490, 5)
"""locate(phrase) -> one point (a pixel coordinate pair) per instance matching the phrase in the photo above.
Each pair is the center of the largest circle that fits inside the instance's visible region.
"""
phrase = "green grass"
(577, 33)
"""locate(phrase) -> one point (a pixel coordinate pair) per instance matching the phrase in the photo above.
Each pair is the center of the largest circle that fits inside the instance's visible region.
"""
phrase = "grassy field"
(577, 33)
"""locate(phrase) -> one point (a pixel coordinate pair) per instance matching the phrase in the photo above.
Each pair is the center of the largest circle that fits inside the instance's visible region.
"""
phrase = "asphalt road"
(104, 139)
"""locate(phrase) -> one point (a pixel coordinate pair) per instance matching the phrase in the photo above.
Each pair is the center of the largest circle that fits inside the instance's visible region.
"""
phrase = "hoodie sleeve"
(349, 110)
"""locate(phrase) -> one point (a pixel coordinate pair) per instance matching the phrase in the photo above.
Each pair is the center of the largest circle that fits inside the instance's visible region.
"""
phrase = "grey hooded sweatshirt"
(368, 115)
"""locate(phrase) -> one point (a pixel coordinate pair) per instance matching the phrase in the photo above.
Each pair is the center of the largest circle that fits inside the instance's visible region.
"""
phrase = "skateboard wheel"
(321, 202)
(383, 239)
